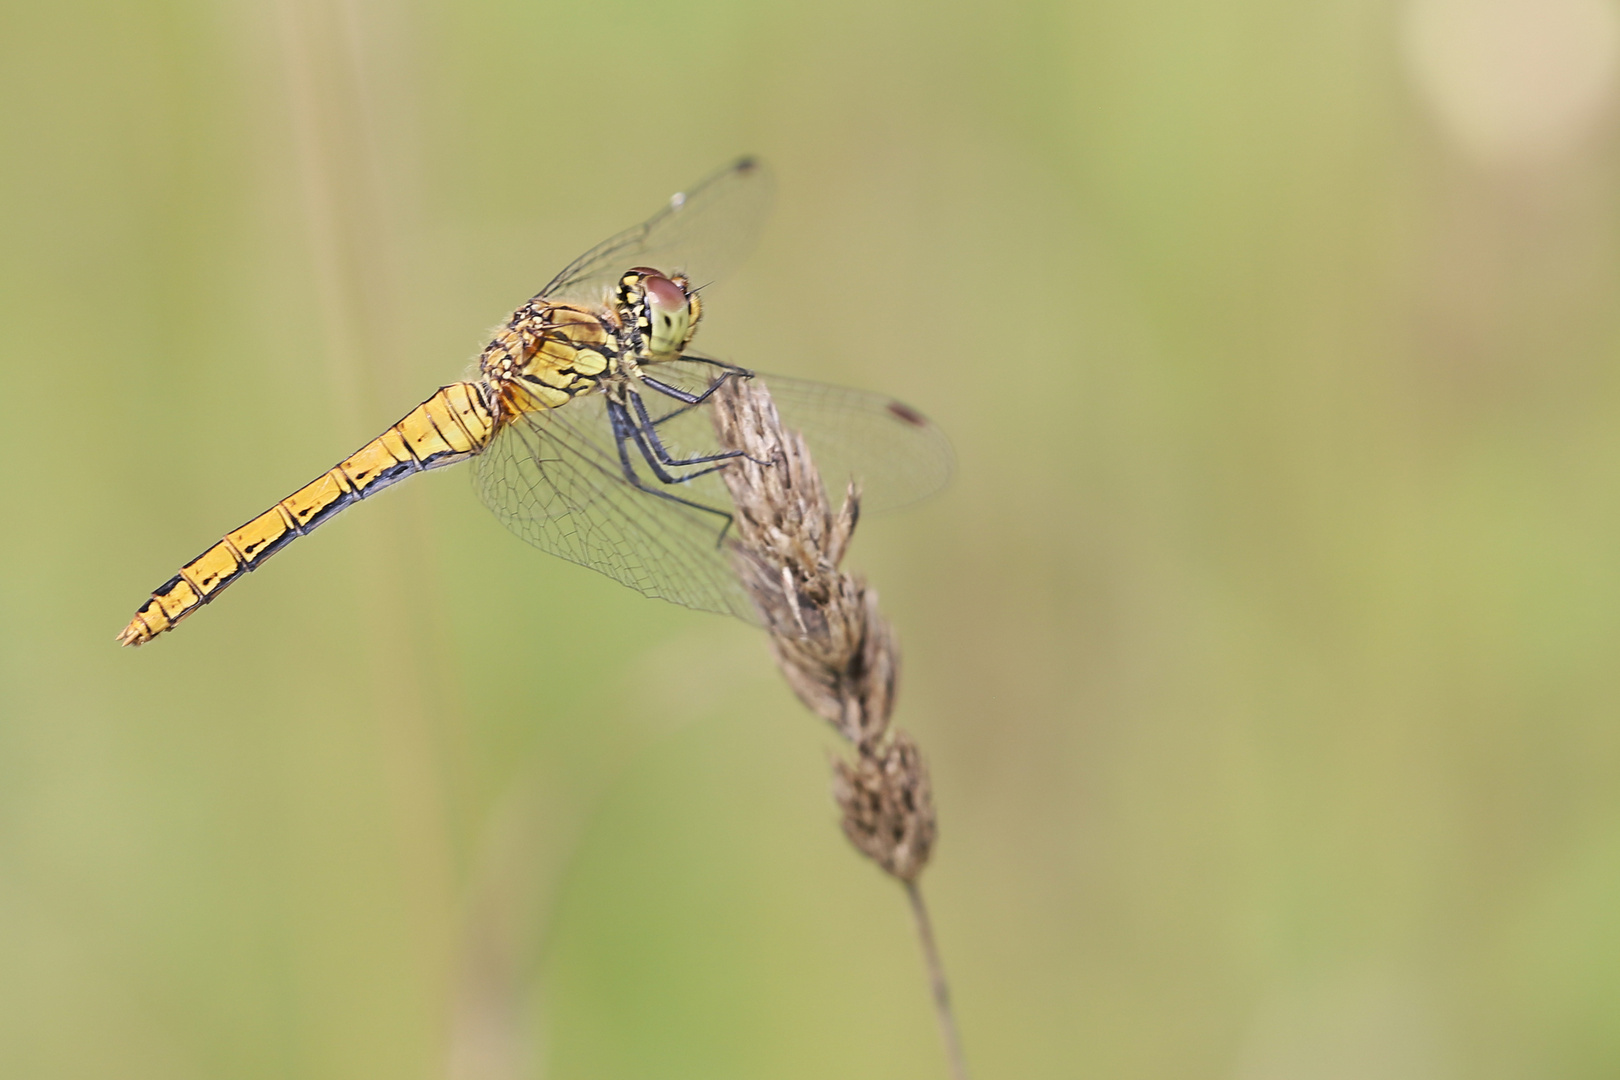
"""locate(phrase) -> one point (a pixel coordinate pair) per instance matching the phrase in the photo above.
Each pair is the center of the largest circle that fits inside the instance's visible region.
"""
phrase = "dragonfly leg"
(625, 432)
(647, 436)
(688, 399)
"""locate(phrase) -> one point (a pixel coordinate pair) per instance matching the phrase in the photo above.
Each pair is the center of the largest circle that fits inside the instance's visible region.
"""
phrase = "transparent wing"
(894, 452)
(703, 232)
(554, 477)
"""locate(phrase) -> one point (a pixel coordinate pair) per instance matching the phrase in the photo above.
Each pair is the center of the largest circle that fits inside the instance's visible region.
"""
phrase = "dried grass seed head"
(833, 646)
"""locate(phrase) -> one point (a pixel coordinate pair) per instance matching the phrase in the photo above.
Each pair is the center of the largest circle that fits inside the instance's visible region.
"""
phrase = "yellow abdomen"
(454, 423)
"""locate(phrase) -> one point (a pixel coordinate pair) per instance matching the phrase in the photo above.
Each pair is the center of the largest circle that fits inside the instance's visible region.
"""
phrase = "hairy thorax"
(548, 354)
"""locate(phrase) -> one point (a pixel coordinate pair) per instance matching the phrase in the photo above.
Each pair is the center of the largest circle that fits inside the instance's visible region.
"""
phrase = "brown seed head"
(888, 805)
(831, 643)
(833, 646)
(835, 649)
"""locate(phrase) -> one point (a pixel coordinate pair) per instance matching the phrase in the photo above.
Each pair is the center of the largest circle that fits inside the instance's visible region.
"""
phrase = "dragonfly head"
(662, 310)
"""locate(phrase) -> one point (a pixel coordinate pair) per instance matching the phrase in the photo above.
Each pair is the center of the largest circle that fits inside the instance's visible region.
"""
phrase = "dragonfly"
(587, 424)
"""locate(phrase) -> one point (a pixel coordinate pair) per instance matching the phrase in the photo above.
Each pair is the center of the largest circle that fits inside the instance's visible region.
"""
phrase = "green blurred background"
(1265, 649)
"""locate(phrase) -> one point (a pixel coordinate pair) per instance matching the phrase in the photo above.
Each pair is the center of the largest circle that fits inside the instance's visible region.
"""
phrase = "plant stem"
(936, 977)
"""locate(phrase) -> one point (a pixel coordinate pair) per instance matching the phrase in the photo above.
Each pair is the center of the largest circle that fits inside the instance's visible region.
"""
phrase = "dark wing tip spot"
(747, 164)
(906, 413)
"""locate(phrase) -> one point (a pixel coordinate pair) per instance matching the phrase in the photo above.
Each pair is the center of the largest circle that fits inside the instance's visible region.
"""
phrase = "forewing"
(554, 478)
(895, 453)
(703, 232)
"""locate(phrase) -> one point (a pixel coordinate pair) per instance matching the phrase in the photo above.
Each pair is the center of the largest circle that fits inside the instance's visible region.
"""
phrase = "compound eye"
(670, 316)
(664, 294)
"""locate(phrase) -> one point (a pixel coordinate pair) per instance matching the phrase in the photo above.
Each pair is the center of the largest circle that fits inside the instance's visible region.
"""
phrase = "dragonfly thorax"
(659, 312)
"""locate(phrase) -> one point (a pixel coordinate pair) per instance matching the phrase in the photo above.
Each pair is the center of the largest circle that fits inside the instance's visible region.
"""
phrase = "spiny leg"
(647, 437)
(688, 399)
(627, 429)
(624, 430)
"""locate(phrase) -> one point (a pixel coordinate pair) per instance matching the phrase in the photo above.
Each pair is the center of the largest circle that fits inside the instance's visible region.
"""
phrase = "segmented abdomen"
(452, 424)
